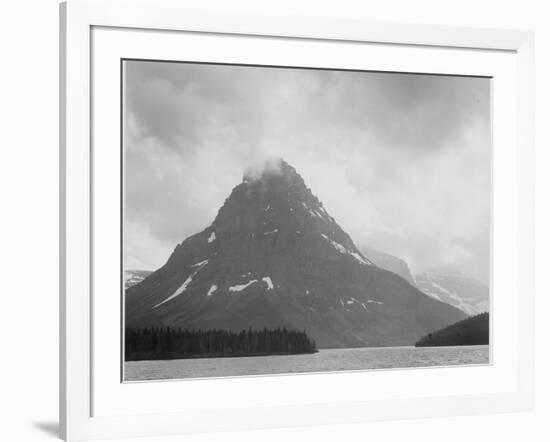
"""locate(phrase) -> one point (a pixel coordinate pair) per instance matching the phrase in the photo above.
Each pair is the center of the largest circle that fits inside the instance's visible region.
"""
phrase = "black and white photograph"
(283, 220)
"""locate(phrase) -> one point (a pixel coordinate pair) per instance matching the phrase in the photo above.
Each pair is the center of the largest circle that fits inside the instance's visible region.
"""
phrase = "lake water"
(325, 360)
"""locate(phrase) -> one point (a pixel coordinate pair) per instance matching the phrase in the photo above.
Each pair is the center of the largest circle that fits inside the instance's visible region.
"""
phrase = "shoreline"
(397, 347)
(220, 356)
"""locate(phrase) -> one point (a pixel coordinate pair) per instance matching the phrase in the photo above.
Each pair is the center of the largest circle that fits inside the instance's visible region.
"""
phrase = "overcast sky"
(401, 161)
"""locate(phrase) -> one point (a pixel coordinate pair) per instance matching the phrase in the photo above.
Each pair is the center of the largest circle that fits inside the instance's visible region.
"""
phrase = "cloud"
(401, 161)
(263, 166)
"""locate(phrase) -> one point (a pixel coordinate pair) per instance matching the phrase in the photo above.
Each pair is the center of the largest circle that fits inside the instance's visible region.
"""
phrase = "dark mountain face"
(274, 257)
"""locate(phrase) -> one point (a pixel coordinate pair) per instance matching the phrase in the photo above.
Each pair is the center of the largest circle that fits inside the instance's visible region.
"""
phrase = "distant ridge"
(467, 294)
(133, 277)
(389, 262)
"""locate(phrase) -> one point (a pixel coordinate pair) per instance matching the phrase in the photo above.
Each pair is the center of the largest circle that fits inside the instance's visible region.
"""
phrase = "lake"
(325, 360)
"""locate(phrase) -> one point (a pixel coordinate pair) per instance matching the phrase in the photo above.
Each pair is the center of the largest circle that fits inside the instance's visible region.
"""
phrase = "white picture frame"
(82, 386)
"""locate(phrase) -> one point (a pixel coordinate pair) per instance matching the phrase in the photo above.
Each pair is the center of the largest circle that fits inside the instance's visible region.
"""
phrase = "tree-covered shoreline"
(164, 343)
(470, 331)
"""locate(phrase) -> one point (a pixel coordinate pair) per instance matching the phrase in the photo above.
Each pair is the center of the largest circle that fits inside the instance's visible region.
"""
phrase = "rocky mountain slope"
(274, 257)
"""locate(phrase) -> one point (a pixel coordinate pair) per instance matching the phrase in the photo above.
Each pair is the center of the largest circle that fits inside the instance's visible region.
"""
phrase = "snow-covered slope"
(133, 277)
(465, 293)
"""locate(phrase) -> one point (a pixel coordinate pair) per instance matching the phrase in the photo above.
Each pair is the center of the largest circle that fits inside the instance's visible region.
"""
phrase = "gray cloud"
(401, 161)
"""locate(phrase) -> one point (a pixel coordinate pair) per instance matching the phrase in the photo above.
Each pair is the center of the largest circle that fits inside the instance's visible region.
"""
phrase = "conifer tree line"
(470, 331)
(168, 343)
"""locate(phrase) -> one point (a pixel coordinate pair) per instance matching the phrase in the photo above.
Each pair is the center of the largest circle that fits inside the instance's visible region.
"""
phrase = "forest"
(470, 331)
(168, 343)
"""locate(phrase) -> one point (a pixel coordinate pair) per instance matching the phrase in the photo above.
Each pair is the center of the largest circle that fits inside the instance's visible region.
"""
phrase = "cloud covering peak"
(265, 166)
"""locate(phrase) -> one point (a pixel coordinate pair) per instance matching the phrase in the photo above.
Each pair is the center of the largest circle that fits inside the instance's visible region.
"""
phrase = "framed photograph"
(313, 221)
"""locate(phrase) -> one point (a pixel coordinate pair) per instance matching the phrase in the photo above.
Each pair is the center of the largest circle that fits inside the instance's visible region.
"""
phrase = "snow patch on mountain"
(178, 292)
(370, 301)
(212, 290)
(185, 284)
(345, 251)
(351, 301)
(200, 264)
(311, 211)
(212, 237)
(431, 294)
(467, 294)
(241, 287)
(268, 281)
(440, 288)
(320, 215)
(133, 277)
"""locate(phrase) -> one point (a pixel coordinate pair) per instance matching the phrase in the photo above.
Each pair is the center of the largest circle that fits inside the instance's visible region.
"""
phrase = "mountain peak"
(272, 196)
(274, 257)
(268, 169)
